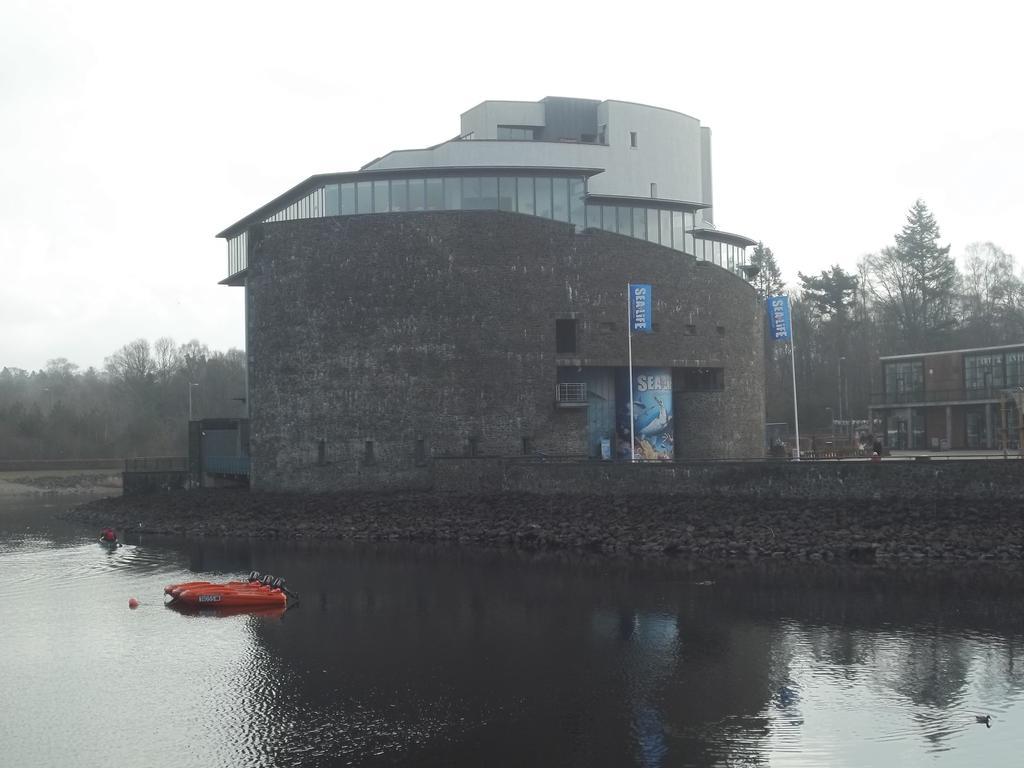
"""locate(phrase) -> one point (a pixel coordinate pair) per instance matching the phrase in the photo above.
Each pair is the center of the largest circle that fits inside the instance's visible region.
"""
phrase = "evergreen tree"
(764, 273)
(832, 294)
(915, 282)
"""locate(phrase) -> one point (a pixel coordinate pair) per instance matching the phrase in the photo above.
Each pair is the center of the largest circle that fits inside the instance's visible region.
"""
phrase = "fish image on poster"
(653, 428)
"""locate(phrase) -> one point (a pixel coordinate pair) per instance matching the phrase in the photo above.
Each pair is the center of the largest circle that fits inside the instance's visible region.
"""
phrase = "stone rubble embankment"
(708, 527)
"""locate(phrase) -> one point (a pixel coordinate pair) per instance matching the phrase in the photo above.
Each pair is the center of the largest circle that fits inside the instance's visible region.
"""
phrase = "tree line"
(136, 405)
(909, 297)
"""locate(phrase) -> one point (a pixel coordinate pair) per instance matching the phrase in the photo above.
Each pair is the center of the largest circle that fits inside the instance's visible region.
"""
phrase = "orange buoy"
(133, 603)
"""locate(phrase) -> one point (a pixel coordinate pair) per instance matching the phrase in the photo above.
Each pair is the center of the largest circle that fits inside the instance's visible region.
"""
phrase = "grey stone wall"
(378, 342)
(914, 481)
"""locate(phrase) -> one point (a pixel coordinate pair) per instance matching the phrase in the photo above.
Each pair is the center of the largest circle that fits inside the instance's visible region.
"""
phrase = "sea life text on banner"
(778, 318)
(640, 308)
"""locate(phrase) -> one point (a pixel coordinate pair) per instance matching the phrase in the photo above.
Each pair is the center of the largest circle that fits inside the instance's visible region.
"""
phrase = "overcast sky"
(131, 133)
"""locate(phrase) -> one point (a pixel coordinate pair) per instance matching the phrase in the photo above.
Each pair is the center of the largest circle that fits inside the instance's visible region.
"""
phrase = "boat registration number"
(209, 598)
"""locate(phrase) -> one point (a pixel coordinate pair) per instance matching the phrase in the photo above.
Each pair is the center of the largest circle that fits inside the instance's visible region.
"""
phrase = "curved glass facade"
(560, 198)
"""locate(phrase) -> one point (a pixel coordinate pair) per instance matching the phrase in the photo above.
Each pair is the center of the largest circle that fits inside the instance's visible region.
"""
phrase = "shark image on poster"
(653, 428)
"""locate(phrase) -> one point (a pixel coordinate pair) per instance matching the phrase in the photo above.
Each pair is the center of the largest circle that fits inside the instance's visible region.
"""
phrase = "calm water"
(418, 656)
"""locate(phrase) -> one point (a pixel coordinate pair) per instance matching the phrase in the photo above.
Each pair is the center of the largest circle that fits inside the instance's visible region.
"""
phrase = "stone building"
(470, 299)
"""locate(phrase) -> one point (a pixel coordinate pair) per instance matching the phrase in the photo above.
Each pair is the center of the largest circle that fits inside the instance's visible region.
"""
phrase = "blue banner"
(640, 308)
(653, 425)
(779, 324)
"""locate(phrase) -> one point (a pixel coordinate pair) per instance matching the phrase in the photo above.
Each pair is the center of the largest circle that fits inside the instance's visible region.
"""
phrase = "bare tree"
(166, 358)
(132, 364)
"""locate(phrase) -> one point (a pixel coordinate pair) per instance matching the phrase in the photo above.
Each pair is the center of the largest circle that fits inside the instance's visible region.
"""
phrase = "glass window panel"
(560, 199)
(515, 133)
(608, 218)
(718, 253)
(364, 197)
(381, 197)
(688, 244)
(625, 220)
(983, 372)
(640, 223)
(348, 198)
(577, 193)
(453, 193)
(1015, 368)
(471, 193)
(593, 216)
(666, 228)
(524, 192)
(331, 193)
(489, 193)
(904, 381)
(417, 195)
(435, 195)
(506, 193)
(652, 225)
(399, 195)
(677, 230)
(544, 197)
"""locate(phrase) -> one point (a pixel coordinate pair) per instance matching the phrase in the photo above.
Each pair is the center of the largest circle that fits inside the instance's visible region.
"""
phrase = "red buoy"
(133, 603)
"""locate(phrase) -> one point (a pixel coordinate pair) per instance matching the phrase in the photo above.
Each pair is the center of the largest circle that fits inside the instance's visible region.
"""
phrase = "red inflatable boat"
(257, 592)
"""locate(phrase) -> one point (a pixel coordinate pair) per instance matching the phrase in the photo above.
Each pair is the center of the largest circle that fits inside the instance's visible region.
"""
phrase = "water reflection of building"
(469, 298)
(957, 399)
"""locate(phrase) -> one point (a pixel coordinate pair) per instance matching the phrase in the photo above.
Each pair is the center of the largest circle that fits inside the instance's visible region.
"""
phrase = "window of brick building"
(565, 336)
(703, 379)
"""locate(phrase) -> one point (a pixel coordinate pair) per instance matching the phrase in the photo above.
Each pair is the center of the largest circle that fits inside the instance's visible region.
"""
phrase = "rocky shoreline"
(706, 528)
(60, 483)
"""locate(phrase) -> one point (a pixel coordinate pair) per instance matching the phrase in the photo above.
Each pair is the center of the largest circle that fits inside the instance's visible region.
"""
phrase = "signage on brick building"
(778, 318)
(640, 311)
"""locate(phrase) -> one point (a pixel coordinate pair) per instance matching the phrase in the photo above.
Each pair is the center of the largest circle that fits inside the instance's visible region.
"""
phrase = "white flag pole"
(792, 359)
(629, 343)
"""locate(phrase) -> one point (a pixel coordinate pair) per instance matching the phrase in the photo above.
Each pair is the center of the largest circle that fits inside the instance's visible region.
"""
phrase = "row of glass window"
(309, 207)
(657, 225)
(237, 253)
(982, 372)
(995, 370)
(723, 254)
(557, 198)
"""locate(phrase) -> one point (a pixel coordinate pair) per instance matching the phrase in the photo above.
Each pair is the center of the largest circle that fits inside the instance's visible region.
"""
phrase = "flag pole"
(796, 412)
(629, 343)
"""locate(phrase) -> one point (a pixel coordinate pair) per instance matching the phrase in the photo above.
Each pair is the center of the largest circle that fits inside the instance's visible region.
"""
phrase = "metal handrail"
(935, 395)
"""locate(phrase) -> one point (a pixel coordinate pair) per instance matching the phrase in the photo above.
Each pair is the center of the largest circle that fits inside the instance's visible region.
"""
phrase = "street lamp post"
(190, 385)
(840, 382)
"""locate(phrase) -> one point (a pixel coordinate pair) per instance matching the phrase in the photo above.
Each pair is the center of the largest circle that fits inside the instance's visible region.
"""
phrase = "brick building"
(470, 299)
(955, 399)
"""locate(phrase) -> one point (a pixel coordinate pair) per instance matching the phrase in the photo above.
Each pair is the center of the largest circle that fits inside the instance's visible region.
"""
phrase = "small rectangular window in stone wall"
(565, 336)
(699, 379)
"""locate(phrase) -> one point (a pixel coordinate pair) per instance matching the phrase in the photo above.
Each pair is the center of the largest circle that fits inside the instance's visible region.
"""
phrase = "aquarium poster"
(653, 428)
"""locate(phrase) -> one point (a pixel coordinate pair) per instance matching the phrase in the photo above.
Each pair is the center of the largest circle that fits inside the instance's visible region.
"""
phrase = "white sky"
(131, 133)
